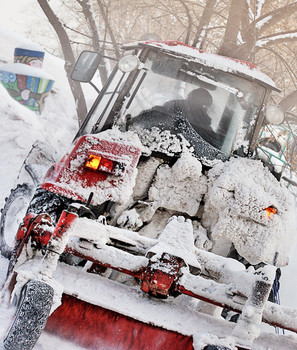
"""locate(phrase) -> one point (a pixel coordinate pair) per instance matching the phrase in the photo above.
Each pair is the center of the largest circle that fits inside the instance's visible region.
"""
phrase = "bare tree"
(204, 22)
(256, 31)
(229, 44)
(69, 58)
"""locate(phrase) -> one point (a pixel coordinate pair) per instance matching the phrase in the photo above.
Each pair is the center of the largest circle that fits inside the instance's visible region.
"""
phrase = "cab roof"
(223, 63)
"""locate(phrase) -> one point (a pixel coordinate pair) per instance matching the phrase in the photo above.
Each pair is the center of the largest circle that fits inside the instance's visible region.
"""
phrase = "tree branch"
(275, 16)
(274, 39)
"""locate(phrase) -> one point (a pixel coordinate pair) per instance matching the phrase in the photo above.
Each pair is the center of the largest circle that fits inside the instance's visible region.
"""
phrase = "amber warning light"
(270, 211)
(95, 162)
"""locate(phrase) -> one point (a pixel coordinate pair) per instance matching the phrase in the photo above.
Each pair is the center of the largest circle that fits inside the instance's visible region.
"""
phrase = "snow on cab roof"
(222, 63)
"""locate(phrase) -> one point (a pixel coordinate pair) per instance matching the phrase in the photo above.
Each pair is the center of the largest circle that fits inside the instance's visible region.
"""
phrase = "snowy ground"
(57, 126)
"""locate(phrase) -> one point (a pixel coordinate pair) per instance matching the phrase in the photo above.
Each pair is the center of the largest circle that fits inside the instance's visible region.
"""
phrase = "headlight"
(274, 115)
(128, 63)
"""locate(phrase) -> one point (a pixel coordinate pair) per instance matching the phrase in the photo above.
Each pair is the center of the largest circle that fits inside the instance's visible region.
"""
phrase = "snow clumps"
(239, 192)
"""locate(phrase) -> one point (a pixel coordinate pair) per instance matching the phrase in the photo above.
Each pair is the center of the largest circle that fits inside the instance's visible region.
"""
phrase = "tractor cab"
(178, 94)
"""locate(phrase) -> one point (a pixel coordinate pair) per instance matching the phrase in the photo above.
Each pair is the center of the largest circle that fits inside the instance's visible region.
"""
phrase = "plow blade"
(113, 316)
(94, 327)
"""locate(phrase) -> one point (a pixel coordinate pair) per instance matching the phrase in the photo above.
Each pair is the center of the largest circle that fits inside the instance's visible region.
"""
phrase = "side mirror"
(86, 66)
(274, 115)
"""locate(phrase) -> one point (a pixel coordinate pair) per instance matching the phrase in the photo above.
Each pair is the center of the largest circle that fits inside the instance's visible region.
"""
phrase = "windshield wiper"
(210, 81)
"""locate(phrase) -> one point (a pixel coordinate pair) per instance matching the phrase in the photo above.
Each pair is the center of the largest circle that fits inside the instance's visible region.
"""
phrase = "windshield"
(220, 107)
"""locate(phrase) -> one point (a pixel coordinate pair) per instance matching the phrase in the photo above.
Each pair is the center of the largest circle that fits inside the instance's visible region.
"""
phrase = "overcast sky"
(16, 14)
(26, 18)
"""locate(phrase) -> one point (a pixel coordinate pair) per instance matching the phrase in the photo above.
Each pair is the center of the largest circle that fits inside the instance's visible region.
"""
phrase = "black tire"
(13, 213)
(48, 202)
(31, 316)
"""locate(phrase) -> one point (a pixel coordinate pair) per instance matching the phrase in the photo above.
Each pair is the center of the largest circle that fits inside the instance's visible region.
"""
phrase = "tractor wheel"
(13, 213)
(31, 316)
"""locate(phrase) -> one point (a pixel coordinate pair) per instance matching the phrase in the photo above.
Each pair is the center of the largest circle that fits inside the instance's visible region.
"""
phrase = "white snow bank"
(24, 69)
(20, 127)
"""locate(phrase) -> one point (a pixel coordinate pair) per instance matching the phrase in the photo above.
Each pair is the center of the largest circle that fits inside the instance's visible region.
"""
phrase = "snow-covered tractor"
(159, 225)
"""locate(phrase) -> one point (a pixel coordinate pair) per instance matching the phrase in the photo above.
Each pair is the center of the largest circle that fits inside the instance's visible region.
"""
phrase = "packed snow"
(173, 186)
(57, 125)
(241, 190)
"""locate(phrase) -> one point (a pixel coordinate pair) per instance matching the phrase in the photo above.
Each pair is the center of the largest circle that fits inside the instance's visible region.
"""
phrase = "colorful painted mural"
(24, 79)
(31, 57)
(27, 90)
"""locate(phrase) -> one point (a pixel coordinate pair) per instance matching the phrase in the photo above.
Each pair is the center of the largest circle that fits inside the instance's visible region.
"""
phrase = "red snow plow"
(149, 228)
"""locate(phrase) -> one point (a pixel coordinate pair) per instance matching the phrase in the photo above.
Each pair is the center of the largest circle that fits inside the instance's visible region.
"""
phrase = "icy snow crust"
(225, 64)
(180, 187)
